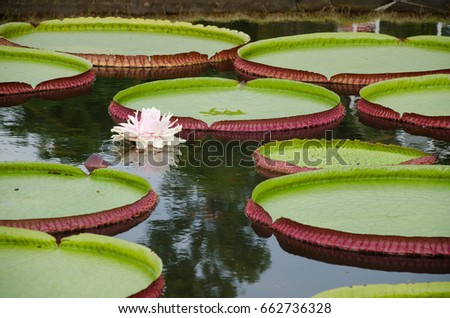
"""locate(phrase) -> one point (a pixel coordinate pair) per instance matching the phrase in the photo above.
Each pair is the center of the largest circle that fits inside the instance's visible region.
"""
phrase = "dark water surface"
(199, 228)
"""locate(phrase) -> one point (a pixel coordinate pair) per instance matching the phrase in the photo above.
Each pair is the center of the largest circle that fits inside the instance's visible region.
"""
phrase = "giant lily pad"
(298, 155)
(395, 210)
(57, 198)
(422, 101)
(33, 264)
(129, 42)
(215, 104)
(411, 290)
(25, 71)
(344, 58)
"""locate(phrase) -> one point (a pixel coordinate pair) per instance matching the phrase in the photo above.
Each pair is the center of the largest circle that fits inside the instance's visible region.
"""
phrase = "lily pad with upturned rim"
(394, 210)
(25, 71)
(57, 198)
(299, 155)
(123, 42)
(33, 264)
(344, 58)
(422, 101)
(215, 104)
(411, 290)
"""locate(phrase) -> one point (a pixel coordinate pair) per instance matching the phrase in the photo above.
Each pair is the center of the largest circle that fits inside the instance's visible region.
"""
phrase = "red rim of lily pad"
(341, 82)
(234, 39)
(334, 112)
(81, 76)
(16, 99)
(399, 245)
(271, 168)
(376, 262)
(388, 89)
(386, 124)
(130, 213)
(143, 73)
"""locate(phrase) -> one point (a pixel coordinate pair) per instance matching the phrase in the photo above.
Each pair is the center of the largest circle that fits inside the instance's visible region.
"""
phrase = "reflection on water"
(199, 228)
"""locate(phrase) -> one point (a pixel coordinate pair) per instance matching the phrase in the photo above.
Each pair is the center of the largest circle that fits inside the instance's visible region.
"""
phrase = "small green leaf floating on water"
(213, 111)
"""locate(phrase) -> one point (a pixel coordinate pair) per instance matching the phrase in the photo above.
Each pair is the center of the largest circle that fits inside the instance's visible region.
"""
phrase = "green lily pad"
(412, 290)
(401, 210)
(29, 70)
(33, 264)
(217, 104)
(297, 155)
(344, 58)
(421, 101)
(129, 42)
(58, 198)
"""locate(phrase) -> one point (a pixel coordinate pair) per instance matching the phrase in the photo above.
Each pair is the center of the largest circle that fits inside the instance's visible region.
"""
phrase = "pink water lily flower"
(149, 129)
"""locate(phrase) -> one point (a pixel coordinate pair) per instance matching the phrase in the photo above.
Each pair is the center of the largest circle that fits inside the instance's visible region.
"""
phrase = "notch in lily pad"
(67, 200)
(31, 71)
(83, 266)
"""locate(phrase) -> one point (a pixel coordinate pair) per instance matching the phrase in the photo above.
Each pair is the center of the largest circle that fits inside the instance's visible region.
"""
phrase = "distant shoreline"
(230, 10)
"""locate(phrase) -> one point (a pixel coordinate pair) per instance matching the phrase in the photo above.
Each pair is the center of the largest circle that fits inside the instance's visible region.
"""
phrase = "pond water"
(199, 228)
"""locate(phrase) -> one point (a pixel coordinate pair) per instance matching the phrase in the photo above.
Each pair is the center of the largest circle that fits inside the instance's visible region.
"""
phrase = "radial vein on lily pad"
(147, 128)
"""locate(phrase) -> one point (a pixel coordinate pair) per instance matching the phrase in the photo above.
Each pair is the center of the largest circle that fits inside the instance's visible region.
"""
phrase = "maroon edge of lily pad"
(88, 221)
(436, 247)
(257, 70)
(367, 79)
(64, 83)
(376, 110)
(120, 114)
(111, 60)
(143, 73)
(16, 99)
(249, 69)
(155, 289)
(385, 124)
(377, 262)
(271, 168)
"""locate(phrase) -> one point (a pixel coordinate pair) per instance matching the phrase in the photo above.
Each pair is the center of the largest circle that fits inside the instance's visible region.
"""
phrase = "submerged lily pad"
(396, 210)
(30, 71)
(411, 290)
(57, 198)
(33, 264)
(215, 104)
(297, 155)
(421, 101)
(129, 42)
(344, 58)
